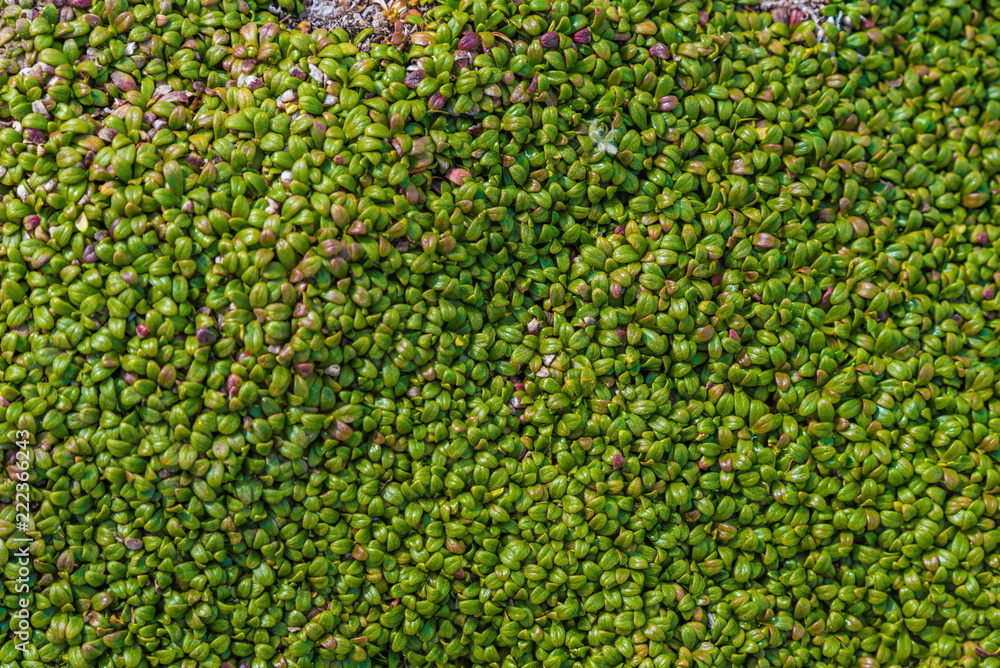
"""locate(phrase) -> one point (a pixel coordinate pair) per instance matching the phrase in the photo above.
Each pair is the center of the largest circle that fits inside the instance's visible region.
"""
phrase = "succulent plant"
(555, 334)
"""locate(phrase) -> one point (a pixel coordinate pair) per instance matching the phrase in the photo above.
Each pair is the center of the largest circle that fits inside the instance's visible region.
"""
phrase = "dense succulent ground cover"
(561, 335)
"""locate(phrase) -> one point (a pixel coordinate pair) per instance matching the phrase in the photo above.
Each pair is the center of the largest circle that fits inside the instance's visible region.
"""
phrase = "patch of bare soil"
(793, 12)
(387, 19)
